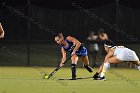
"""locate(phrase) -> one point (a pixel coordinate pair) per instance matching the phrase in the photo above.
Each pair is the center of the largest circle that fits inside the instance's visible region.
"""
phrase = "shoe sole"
(99, 79)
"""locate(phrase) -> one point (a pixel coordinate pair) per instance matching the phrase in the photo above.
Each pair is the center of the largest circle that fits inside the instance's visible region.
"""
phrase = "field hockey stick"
(56, 69)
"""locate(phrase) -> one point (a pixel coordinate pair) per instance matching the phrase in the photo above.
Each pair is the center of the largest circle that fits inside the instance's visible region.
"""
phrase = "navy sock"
(73, 69)
(88, 68)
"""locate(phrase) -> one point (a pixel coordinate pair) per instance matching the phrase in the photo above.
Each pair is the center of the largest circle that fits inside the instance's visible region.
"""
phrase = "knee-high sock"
(88, 68)
(106, 66)
(73, 69)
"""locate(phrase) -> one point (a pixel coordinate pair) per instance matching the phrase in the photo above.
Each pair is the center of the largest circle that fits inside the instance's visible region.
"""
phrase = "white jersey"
(125, 54)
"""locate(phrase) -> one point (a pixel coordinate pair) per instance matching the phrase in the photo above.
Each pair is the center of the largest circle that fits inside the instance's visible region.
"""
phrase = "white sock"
(106, 66)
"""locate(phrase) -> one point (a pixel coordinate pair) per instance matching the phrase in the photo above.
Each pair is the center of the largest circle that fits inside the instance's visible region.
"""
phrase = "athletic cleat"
(96, 75)
(100, 78)
(73, 78)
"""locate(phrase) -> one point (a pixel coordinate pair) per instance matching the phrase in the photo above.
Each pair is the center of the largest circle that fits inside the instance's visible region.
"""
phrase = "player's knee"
(74, 62)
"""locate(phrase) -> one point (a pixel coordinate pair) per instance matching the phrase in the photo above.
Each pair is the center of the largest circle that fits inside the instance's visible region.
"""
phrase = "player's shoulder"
(69, 37)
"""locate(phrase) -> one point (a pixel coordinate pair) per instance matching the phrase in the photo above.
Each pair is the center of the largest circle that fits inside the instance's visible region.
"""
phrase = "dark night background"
(29, 22)
(62, 16)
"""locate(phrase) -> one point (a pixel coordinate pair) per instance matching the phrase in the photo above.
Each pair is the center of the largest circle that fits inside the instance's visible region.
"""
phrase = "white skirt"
(127, 55)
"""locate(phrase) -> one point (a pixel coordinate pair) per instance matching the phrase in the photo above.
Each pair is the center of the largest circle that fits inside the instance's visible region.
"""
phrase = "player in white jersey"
(115, 55)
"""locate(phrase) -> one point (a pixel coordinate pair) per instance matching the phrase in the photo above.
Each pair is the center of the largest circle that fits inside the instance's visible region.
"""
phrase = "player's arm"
(108, 56)
(74, 40)
(63, 56)
(1, 31)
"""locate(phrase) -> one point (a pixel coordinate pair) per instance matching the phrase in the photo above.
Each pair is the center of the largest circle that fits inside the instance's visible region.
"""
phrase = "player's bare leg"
(106, 66)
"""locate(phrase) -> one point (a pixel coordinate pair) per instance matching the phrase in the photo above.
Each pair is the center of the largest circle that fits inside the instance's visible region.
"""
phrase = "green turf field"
(29, 80)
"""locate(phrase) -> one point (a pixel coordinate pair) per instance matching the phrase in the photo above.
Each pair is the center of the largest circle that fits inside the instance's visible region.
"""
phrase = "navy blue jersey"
(82, 51)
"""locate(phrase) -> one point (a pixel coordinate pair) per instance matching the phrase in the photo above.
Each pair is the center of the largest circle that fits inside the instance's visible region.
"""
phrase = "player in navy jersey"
(77, 50)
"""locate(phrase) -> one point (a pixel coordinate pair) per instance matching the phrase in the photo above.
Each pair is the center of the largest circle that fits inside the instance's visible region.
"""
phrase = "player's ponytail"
(59, 35)
(109, 44)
